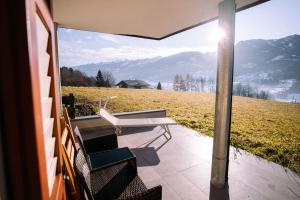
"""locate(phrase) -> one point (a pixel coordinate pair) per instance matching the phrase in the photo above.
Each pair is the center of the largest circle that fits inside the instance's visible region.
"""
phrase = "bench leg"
(167, 130)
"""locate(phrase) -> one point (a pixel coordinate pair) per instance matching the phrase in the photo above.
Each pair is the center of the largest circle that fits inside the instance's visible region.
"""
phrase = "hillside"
(273, 60)
(269, 65)
(266, 128)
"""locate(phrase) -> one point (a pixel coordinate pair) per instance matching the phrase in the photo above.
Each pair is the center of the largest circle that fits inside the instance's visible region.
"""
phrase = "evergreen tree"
(158, 86)
(99, 79)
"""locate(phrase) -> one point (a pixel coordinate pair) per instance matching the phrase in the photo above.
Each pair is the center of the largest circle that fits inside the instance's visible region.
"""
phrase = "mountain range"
(267, 62)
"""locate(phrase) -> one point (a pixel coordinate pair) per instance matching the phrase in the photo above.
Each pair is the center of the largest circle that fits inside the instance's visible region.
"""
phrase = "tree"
(182, 85)
(197, 85)
(99, 79)
(158, 86)
(202, 82)
(108, 78)
(238, 89)
(176, 83)
(247, 91)
(212, 85)
(263, 95)
(188, 82)
(179, 83)
(70, 77)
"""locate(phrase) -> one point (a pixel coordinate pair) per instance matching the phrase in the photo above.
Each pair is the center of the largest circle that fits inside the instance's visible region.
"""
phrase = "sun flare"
(217, 34)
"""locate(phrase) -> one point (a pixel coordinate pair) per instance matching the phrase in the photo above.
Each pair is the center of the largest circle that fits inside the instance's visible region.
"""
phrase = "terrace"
(182, 165)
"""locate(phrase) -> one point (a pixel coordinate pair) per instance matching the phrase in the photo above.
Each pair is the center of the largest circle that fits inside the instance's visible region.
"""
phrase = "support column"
(223, 105)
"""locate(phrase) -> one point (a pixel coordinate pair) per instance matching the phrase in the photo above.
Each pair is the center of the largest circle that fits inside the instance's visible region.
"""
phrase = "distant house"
(137, 84)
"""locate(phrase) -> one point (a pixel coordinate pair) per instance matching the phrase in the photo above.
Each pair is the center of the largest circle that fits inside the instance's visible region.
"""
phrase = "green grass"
(265, 128)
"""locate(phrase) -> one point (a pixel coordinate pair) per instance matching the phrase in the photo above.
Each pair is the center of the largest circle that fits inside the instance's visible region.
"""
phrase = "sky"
(271, 20)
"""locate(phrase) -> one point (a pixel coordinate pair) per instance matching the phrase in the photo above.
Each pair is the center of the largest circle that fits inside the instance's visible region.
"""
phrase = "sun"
(217, 34)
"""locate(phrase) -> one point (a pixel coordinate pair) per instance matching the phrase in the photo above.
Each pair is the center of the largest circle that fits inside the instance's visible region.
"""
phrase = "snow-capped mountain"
(263, 62)
(158, 68)
(269, 59)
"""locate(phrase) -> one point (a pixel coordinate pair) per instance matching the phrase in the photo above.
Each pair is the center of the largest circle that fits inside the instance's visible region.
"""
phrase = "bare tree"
(198, 84)
(263, 95)
(248, 91)
(193, 84)
(182, 84)
(238, 89)
(176, 83)
(212, 84)
(109, 79)
(202, 82)
(188, 82)
(179, 83)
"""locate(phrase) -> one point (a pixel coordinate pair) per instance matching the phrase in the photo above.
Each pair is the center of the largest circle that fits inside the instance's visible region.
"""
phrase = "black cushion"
(99, 139)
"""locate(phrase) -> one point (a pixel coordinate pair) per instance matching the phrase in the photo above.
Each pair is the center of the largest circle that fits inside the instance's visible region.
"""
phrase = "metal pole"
(223, 105)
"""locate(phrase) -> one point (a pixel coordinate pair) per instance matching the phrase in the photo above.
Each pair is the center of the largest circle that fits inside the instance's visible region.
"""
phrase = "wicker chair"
(114, 181)
(102, 158)
(103, 141)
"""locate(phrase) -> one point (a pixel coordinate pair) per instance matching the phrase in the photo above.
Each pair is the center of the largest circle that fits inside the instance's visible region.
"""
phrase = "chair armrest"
(154, 193)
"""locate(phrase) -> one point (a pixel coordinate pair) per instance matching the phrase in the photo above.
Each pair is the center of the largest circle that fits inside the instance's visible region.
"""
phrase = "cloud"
(109, 38)
(72, 56)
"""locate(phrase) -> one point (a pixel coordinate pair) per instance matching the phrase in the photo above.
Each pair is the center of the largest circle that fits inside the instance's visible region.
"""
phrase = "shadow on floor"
(146, 156)
(148, 143)
(129, 131)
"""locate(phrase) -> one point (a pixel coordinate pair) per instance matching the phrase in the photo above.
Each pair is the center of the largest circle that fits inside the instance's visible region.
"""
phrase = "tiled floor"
(182, 166)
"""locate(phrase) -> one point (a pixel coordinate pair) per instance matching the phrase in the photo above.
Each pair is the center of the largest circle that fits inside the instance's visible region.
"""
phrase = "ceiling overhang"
(153, 19)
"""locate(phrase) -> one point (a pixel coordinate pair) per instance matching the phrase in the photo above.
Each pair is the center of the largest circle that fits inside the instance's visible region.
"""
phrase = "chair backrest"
(109, 117)
(79, 141)
(83, 171)
(68, 154)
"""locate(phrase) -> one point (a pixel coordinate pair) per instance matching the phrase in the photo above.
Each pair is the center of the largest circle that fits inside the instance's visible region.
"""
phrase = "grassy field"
(266, 128)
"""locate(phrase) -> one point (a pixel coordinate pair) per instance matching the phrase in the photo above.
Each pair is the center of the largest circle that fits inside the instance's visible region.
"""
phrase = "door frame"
(21, 118)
